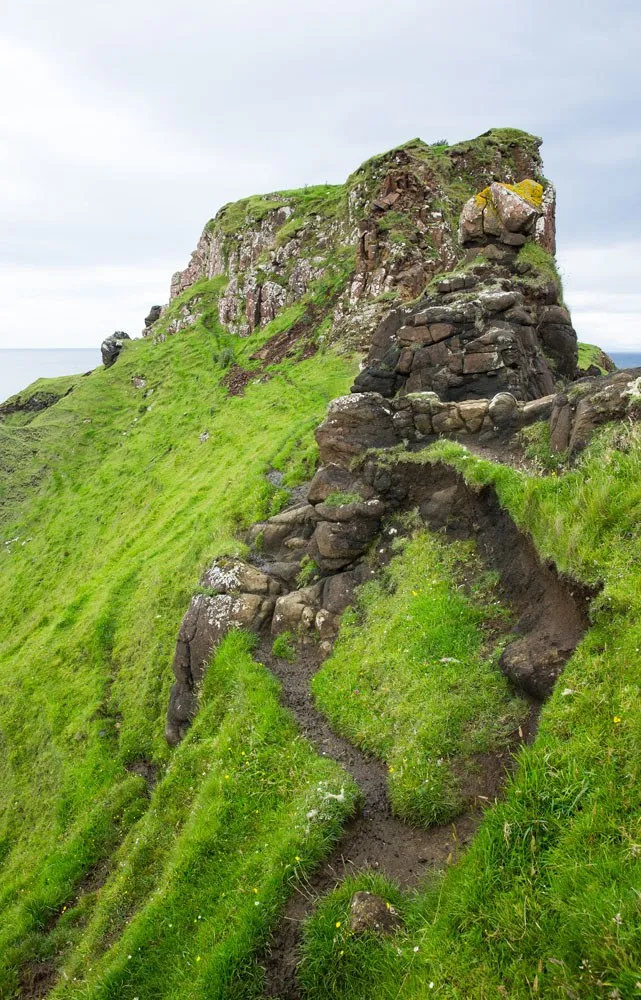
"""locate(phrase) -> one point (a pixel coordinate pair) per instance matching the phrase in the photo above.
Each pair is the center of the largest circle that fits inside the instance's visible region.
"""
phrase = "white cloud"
(86, 304)
(603, 290)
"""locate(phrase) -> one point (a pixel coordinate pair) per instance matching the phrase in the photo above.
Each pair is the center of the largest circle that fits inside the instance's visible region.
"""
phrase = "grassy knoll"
(112, 503)
(411, 678)
(546, 902)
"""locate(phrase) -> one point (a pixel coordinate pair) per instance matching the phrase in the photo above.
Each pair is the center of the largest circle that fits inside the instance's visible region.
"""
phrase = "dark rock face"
(368, 912)
(154, 315)
(492, 329)
(237, 596)
(112, 346)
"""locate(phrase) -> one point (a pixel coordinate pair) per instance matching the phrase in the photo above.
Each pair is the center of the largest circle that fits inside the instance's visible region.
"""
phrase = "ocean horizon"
(19, 367)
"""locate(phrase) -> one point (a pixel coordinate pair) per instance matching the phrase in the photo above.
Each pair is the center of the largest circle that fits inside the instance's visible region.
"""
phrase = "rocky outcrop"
(309, 559)
(152, 317)
(112, 346)
(234, 595)
(510, 214)
(495, 326)
(590, 403)
(388, 231)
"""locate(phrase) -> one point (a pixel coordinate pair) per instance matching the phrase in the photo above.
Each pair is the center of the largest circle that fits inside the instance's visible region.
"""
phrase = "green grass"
(413, 680)
(283, 647)
(590, 354)
(546, 902)
(112, 507)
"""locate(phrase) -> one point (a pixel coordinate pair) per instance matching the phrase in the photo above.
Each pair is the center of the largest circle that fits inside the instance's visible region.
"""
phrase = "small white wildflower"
(415, 948)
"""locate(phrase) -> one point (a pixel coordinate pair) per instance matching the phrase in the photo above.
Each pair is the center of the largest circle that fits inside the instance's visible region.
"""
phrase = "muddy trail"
(374, 838)
(551, 614)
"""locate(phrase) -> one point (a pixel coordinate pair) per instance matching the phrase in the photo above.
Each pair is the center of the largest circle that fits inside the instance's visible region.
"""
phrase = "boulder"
(154, 315)
(112, 346)
(297, 610)
(206, 623)
(229, 576)
(535, 662)
(503, 410)
(471, 219)
(515, 213)
(343, 542)
(353, 424)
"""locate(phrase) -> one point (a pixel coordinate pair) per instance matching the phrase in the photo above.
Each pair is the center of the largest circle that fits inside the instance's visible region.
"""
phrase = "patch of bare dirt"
(374, 839)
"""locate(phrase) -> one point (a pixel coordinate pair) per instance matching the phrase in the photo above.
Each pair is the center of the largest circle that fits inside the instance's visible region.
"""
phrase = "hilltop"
(354, 484)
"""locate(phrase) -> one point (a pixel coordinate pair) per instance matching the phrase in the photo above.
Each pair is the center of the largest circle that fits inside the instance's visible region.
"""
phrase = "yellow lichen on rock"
(531, 191)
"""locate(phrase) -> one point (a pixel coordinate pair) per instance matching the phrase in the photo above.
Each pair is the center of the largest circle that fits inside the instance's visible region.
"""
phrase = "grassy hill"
(132, 870)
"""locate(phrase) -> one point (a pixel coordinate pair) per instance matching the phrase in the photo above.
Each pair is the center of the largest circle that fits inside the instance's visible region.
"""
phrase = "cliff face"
(354, 249)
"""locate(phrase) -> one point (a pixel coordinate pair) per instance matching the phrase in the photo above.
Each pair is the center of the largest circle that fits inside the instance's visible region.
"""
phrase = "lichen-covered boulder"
(507, 212)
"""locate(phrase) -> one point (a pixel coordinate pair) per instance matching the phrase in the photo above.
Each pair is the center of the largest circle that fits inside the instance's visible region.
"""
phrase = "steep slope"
(134, 869)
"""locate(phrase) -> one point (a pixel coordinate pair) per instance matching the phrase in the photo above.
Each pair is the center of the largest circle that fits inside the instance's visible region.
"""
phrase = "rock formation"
(485, 348)
(112, 346)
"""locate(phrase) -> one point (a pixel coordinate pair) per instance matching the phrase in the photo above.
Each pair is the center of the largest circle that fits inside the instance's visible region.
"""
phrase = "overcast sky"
(124, 126)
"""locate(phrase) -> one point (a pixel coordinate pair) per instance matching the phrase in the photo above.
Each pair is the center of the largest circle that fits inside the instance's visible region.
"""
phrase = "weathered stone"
(473, 412)
(537, 409)
(228, 576)
(560, 425)
(404, 364)
(112, 346)
(557, 315)
(516, 214)
(534, 663)
(513, 239)
(471, 220)
(153, 316)
(487, 362)
(415, 335)
(448, 420)
(350, 511)
(296, 610)
(440, 331)
(354, 424)
(344, 541)
(330, 479)
(503, 410)
(371, 913)
(496, 302)
(439, 509)
(207, 621)
(492, 225)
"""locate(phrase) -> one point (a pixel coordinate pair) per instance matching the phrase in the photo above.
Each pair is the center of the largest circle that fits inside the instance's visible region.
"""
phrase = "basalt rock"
(112, 346)
(506, 332)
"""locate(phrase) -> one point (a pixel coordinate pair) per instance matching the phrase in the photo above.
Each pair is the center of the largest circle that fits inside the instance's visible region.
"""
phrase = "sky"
(124, 126)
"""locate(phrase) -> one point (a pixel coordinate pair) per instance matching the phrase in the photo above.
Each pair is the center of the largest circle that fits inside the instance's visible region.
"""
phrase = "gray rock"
(112, 346)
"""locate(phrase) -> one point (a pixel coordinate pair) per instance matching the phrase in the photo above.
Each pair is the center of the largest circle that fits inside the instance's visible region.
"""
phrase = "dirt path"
(373, 839)
(551, 610)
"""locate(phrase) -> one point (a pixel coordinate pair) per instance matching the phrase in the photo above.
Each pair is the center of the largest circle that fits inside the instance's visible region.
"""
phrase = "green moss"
(338, 499)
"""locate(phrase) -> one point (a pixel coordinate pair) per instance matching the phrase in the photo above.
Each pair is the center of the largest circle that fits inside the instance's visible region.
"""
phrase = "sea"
(626, 359)
(21, 366)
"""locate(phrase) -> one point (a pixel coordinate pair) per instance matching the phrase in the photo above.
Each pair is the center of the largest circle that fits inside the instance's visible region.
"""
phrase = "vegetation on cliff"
(132, 870)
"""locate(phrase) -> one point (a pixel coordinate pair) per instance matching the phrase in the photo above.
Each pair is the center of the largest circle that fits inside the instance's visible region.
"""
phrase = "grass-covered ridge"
(546, 902)
(123, 498)
(413, 678)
